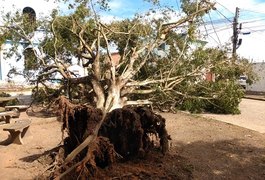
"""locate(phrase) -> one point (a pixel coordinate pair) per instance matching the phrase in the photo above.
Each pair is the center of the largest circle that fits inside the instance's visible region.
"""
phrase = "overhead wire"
(219, 30)
(228, 22)
(218, 25)
(252, 11)
(228, 19)
(178, 6)
(252, 21)
(225, 7)
(215, 29)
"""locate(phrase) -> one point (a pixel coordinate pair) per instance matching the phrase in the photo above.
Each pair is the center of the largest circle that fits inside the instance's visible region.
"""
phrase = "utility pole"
(1, 62)
(235, 34)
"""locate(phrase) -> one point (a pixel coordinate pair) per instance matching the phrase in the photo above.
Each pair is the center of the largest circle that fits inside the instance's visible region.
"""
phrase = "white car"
(243, 81)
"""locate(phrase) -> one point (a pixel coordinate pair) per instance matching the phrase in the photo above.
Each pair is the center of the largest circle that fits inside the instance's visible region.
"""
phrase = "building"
(6, 64)
(259, 85)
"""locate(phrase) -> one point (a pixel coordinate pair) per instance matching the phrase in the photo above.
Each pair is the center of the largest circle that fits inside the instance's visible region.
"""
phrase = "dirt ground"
(201, 148)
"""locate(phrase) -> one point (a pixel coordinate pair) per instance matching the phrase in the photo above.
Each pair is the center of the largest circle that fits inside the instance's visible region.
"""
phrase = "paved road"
(252, 115)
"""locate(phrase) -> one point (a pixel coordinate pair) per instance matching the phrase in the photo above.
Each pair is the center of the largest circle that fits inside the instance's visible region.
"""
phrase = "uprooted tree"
(153, 63)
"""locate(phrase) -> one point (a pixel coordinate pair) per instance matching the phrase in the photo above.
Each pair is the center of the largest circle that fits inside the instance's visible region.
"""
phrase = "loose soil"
(200, 148)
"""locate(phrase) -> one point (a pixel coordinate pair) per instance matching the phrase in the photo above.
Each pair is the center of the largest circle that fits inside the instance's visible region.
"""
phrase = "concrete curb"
(254, 98)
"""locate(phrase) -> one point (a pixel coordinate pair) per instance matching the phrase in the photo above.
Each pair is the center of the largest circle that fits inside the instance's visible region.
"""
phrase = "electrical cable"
(228, 19)
(252, 21)
(178, 6)
(225, 7)
(252, 11)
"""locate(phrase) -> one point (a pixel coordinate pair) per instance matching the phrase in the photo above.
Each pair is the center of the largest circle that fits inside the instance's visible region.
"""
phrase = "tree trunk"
(114, 99)
(100, 96)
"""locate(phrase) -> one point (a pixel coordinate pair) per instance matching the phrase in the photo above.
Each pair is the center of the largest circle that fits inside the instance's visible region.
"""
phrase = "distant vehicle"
(243, 81)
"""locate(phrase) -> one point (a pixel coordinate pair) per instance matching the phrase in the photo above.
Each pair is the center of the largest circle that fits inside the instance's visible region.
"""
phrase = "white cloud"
(105, 18)
(116, 4)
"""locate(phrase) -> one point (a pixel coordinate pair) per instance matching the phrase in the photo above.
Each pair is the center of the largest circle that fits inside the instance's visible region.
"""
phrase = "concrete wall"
(258, 86)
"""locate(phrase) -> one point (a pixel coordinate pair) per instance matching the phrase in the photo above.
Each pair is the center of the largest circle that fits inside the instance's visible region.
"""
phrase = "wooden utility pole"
(1, 61)
(235, 33)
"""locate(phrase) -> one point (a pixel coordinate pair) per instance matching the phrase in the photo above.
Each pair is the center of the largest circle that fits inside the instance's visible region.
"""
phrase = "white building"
(6, 64)
(258, 86)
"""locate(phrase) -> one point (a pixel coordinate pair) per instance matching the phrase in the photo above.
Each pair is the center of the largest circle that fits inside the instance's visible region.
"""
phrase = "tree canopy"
(130, 61)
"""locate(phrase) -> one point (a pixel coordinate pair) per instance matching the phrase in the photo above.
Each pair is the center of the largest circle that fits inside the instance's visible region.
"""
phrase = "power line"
(178, 5)
(254, 20)
(223, 29)
(219, 27)
(228, 19)
(258, 30)
(255, 26)
(218, 21)
(252, 11)
(225, 7)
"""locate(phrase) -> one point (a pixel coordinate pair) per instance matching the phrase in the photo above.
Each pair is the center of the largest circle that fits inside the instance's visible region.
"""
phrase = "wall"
(7, 64)
(258, 86)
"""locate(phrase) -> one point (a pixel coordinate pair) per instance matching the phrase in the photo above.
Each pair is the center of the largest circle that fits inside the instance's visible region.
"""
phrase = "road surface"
(252, 115)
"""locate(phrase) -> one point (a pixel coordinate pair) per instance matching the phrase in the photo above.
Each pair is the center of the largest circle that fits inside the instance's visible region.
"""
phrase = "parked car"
(243, 81)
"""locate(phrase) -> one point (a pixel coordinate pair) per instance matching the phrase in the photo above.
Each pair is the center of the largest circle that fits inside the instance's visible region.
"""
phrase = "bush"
(44, 95)
(226, 101)
(8, 102)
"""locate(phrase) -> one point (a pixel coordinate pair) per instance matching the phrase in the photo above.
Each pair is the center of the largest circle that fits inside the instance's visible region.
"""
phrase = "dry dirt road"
(252, 115)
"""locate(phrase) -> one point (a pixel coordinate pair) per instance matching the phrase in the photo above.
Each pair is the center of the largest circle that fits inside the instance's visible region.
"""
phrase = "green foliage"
(80, 34)
(193, 105)
(29, 23)
(138, 33)
(226, 102)
(43, 95)
(191, 6)
(30, 60)
(3, 94)
(9, 102)
(196, 94)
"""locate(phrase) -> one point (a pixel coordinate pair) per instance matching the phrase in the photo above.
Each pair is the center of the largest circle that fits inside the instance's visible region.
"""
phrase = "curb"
(254, 98)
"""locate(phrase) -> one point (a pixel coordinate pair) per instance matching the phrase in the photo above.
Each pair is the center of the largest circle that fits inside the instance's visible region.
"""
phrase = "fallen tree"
(98, 133)
(81, 37)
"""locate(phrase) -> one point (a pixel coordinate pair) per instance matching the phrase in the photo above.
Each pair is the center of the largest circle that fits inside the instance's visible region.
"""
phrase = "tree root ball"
(125, 133)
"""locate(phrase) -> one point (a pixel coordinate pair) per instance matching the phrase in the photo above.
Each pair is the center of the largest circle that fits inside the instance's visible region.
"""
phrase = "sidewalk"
(252, 115)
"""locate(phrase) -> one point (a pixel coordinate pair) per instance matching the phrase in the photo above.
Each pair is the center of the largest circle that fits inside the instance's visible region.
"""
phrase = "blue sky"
(123, 8)
(217, 29)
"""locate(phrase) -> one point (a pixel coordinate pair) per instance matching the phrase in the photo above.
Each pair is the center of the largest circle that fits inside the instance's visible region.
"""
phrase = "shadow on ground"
(229, 159)
(49, 153)
(41, 112)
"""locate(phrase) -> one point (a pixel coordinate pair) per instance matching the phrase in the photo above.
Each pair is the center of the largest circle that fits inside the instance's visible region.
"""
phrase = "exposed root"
(124, 133)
